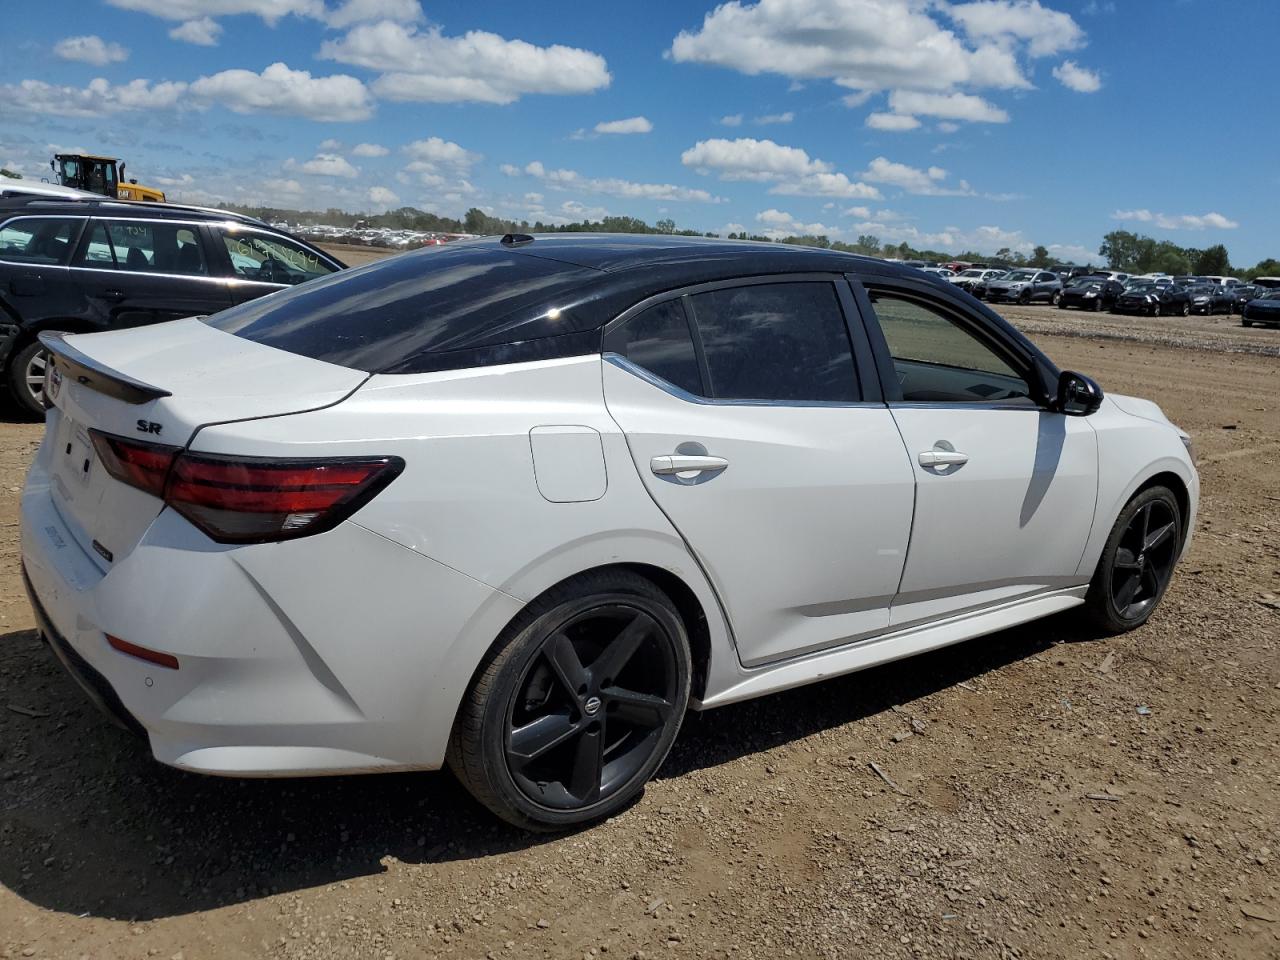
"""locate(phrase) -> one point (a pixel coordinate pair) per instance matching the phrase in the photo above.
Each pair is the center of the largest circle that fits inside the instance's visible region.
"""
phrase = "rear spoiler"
(96, 375)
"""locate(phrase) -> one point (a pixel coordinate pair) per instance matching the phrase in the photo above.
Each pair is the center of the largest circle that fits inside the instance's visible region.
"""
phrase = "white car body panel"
(1011, 521)
(821, 491)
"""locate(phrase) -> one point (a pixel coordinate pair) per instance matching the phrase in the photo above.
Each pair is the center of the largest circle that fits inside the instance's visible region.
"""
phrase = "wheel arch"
(1175, 483)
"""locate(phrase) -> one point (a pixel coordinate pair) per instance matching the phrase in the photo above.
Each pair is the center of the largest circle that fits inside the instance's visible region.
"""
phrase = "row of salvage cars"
(1116, 292)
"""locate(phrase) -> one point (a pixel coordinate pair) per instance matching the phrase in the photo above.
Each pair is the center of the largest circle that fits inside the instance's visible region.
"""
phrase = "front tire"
(1057, 297)
(576, 705)
(26, 378)
(1186, 310)
(1137, 562)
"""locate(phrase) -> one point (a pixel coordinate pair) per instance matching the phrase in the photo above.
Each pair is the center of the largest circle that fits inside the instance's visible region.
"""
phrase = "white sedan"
(516, 505)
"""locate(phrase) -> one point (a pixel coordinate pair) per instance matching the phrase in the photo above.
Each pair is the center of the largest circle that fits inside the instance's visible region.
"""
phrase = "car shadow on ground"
(90, 825)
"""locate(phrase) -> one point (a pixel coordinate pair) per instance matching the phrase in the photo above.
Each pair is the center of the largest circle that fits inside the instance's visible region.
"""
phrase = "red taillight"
(139, 464)
(248, 499)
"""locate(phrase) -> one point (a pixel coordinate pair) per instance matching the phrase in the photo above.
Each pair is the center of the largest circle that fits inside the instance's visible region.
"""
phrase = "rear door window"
(783, 342)
(40, 240)
(156, 246)
(658, 339)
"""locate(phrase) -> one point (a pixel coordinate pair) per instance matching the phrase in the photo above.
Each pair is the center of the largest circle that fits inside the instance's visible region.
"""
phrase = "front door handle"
(680, 463)
(942, 458)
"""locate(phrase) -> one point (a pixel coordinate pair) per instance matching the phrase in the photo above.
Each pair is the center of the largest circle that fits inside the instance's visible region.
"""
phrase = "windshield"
(1146, 286)
(1019, 275)
(1088, 281)
(972, 273)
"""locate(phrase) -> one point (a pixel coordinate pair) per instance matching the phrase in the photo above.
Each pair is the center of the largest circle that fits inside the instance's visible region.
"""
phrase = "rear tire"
(576, 705)
(1137, 562)
(1057, 297)
(1186, 310)
(26, 378)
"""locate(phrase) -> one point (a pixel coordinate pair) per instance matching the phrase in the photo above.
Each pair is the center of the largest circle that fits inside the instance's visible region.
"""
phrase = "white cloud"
(1073, 253)
(280, 90)
(90, 49)
(860, 44)
(360, 11)
(369, 150)
(1075, 77)
(98, 98)
(326, 165)
(913, 180)
(776, 118)
(269, 10)
(730, 120)
(630, 125)
(792, 171)
(330, 145)
(1045, 31)
(282, 186)
(1183, 221)
(949, 106)
(985, 239)
(203, 32)
(779, 224)
(382, 196)
(891, 121)
(611, 186)
(509, 169)
(477, 66)
(946, 126)
(436, 151)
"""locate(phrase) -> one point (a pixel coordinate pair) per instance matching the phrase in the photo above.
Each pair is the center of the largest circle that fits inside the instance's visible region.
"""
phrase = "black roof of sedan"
(55, 206)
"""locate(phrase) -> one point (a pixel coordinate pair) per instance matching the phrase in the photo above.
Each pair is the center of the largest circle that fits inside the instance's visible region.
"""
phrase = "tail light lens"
(141, 465)
(249, 499)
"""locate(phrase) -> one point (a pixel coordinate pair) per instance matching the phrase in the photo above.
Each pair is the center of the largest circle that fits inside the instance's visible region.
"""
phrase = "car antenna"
(511, 239)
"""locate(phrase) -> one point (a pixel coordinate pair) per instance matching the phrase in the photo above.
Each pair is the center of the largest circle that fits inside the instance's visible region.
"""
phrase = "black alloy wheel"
(577, 706)
(1137, 562)
(1024, 297)
(1186, 309)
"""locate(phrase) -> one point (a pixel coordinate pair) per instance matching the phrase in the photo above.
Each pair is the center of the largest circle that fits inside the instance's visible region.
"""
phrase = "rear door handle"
(679, 463)
(942, 458)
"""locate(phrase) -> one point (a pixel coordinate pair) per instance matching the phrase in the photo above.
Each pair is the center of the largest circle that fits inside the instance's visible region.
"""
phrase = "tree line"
(1120, 249)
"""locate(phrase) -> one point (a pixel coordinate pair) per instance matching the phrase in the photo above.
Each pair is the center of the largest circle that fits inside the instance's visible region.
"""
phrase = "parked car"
(609, 479)
(1202, 298)
(38, 188)
(942, 272)
(1153, 298)
(1242, 293)
(1023, 286)
(1110, 275)
(1263, 310)
(968, 279)
(1091, 293)
(90, 265)
(1223, 297)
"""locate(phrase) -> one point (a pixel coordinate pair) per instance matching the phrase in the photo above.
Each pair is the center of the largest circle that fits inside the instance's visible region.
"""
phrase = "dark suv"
(88, 265)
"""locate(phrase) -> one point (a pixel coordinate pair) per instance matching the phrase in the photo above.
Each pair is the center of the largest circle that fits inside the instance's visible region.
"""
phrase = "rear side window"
(658, 340)
(41, 240)
(153, 246)
(785, 342)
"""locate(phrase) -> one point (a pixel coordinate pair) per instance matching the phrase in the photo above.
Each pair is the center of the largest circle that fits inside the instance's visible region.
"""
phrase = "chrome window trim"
(622, 363)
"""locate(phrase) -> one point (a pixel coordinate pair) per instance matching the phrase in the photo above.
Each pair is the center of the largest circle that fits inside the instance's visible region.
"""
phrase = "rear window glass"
(383, 317)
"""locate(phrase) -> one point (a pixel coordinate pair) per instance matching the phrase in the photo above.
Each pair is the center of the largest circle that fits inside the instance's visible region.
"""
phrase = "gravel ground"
(1046, 793)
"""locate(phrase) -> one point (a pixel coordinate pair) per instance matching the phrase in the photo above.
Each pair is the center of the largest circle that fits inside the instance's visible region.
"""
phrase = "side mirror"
(1078, 395)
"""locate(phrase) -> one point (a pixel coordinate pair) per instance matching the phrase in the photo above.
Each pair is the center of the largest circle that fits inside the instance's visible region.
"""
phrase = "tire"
(1024, 297)
(1152, 563)
(1057, 297)
(1097, 306)
(1155, 310)
(26, 378)
(535, 673)
(1186, 310)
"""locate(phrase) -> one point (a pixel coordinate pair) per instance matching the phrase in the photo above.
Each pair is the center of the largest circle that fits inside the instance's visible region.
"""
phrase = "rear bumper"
(338, 653)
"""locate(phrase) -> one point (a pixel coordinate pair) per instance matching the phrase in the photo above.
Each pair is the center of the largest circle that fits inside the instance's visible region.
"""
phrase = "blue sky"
(951, 125)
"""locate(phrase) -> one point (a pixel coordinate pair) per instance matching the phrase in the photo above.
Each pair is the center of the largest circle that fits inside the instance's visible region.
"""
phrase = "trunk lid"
(160, 384)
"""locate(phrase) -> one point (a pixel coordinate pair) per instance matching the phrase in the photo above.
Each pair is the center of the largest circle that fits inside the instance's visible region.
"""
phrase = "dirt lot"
(1035, 810)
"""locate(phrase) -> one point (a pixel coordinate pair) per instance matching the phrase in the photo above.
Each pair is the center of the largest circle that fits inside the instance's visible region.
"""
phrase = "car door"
(1046, 285)
(260, 263)
(777, 463)
(137, 272)
(34, 253)
(1005, 489)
